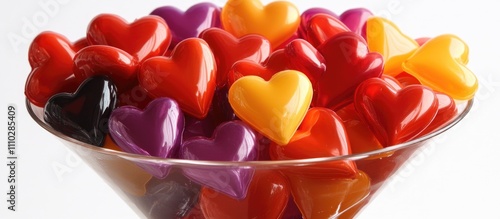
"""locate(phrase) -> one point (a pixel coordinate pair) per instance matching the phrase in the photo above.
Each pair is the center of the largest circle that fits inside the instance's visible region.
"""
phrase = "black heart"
(83, 115)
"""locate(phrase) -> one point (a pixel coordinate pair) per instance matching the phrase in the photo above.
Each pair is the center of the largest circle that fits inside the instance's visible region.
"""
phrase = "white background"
(458, 178)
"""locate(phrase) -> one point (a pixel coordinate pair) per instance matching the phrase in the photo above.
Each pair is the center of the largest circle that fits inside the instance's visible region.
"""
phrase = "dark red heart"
(395, 116)
(228, 49)
(322, 27)
(83, 115)
(115, 63)
(348, 63)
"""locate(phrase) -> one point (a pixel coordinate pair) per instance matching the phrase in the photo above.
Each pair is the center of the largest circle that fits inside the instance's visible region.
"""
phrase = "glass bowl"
(274, 189)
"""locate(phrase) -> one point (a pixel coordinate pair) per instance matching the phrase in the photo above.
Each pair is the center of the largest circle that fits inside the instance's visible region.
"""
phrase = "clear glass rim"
(273, 163)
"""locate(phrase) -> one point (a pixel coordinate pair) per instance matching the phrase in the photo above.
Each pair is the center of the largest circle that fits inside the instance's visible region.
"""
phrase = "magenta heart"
(191, 23)
(355, 19)
(156, 131)
(307, 15)
(232, 141)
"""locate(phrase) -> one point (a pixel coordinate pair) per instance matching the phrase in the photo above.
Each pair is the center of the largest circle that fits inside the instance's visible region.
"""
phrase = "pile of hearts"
(249, 82)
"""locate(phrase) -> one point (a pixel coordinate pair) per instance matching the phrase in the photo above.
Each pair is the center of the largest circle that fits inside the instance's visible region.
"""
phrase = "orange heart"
(275, 108)
(277, 21)
(329, 198)
(441, 64)
(384, 37)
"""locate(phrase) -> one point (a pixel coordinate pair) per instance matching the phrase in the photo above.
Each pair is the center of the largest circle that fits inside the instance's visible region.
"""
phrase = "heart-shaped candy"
(306, 16)
(328, 198)
(322, 27)
(274, 108)
(384, 37)
(145, 37)
(51, 59)
(395, 116)
(277, 21)
(359, 135)
(355, 19)
(268, 188)
(441, 64)
(297, 55)
(321, 134)
(447, 109)
(188, 76)
(172, 197)
(276, 62)
(110, 61)
(303, 57)
(156, 131)
(190, 23)
(228, 49)
(348, 63)
(83, 115)
(232, 141)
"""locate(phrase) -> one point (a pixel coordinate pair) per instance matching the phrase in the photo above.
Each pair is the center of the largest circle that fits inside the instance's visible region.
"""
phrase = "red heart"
(321, 134)
(297, 55)
(329, 198)
(229, 49)
(322, 27)
(145, 37)
(447, 109)
(276, 62)
(109, 61)
(348, 63)
(360, 137)
(303, 57)
(395, 116)
(51, 59)
(188, 76)
(267, 197)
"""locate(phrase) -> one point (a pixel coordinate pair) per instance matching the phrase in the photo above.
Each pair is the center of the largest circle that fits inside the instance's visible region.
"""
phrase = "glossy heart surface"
(189, 23)
(277, 21)
(321, 134)
(231, 141)
(395, 116)
(145, 37)
(228, 49)
(276, 107)
(161, 121)
(384, 37)
(51, 59)
(348, 63)
(267, 198)
(327, 198)
(441, 64)
(109, 61)
(83, 115)
(187, 76)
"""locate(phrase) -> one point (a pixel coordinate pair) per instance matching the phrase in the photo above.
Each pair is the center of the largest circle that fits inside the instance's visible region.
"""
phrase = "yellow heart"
(277, 21)
(384, 37)
(440, 64)
(275, 108)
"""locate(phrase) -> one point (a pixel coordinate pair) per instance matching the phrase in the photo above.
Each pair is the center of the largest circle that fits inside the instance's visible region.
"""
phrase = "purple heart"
(307, 15)
(232, 141)
(191, 23)
(156, 131)
(355, 19)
